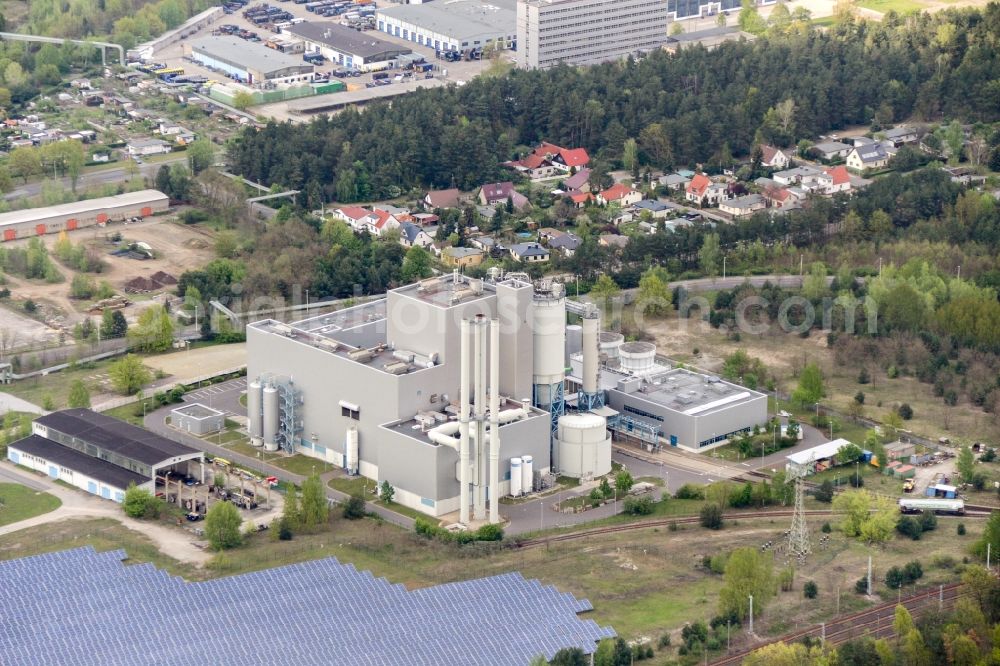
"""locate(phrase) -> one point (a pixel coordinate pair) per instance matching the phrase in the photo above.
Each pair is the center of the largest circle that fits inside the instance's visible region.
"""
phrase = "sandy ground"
(199, 362)
(178, 248)
(17, 330)
(176, 543)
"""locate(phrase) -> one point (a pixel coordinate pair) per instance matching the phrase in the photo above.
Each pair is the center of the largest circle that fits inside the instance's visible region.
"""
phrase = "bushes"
(825, 492)
(861, 586)
(432, 531)
(140, 503)
(905, 411)
(810, 590)
(913, 527)
(897, 577)
(638, 506)
(354, 508)
(690, 491)
(711, 517)
(960, 530)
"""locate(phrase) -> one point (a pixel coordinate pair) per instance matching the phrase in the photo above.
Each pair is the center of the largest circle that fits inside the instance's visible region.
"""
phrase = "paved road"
(229, 395)
(92, 178)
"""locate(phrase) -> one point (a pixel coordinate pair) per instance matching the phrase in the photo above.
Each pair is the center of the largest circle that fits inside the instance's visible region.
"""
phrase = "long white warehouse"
(79, 214)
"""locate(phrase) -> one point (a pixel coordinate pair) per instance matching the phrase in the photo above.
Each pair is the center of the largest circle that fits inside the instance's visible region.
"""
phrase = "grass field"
(643, 583)
(56, 385)
(19, 502)
(300, 464)
(898, 6)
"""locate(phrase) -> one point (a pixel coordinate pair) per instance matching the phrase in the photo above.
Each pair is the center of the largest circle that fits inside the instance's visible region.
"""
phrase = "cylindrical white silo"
(637, 357)
(589, 344)
(270, 418)
(351, 451)
(549, 333)
(584, 446)
(255, 417)
(574, 340)
(515, 477)
(610, 342)
(527, 474)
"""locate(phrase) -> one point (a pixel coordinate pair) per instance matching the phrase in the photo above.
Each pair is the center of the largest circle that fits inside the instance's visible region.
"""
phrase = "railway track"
(682, 520)
(875, 622)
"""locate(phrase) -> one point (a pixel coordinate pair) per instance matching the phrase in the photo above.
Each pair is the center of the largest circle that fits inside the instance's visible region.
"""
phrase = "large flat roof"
(346, 40)
(81, 207)
(247, 55)
(115, 436)
(95, 468)
(460, 19)
(497, 621)
(689, 393)
(339, 100)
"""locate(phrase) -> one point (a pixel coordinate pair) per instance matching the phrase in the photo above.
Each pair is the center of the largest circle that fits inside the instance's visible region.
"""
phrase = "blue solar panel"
(81, 606)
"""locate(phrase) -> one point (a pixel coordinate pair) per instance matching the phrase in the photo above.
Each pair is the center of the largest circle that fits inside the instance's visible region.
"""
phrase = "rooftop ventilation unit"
(360, 355)
(397, 368)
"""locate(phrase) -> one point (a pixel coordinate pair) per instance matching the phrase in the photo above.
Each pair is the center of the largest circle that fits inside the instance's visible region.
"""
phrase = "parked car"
(193, 517)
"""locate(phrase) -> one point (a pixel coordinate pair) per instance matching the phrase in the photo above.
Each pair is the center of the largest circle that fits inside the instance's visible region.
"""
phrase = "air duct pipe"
(444, 434)
(463, 429)
(495, 421)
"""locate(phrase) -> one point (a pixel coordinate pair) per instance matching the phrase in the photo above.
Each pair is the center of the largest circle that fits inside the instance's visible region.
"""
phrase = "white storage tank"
(527, 472)
(637, 357)
(549, 332)
(610, 342)
(515, 477)
(574, 340)
(351, 451)
(584, 446)
(270, 418)
(255, 417)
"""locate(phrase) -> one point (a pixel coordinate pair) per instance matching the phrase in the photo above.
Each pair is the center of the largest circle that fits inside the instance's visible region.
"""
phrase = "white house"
(411, 235)
(529, 252)
(743, 206)
(143, 147)
(774, 158)
(873, 156)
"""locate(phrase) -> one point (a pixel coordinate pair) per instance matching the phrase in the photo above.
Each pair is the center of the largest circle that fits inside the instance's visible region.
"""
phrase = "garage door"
(9, 234)
(147, 211)
(53, 471)
(102, 218)
(40, 229)
(71, 223)
(105, 492)
(91, 487)
(15, 457)
(119, 496)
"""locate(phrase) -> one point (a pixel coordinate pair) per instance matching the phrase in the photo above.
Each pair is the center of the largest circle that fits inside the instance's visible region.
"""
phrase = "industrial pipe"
(479, 375)
(444, 434)
(495, 421)
(463, 429)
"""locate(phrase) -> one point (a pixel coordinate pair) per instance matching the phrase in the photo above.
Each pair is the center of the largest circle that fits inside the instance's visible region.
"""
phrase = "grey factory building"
(587, 32)
(455, 25)
(247, 62)
(456, 383)
(346, 46)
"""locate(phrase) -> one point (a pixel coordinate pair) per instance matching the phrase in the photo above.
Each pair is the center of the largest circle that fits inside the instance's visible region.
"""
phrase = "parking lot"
(173, 56)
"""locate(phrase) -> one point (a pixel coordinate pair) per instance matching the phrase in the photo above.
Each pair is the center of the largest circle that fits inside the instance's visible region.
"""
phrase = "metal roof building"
(458, 25)
(97, 453)
(79, 214)
(346, 46)
(80, 606)
(248, 62)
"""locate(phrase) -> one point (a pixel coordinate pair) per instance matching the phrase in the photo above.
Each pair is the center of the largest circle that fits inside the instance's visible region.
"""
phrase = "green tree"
(354, 508)
(154, 331)
(748, 572)
(710, 255)
(825, 492)
(750, 19)
(814, 285)
(623, 482)
(139, 502)
(315, 509)
(810, 388)
(128, 374)
(605, 289)
(79, 396)
(416, 264)
(848, 454)
(6, 182)
(201, 155)
(568, 657)
(222, 526)
(654, 292)
(991, 537)
(710, 516)
(242, 100)
(630, 157)
(290, 513)
(966, 464)
(613, 652)
(386, 492)
(113, 324)
(25, 161)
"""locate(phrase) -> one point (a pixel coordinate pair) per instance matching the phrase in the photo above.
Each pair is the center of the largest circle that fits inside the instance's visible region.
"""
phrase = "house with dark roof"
(831, 150)
(657, 209)
(874, 156)
(774, 158)
(411, 235)
(529, 253)
(900, 135)
(743, 206)
(449, 198)
(102, 455)
(495, 194)
(565, 243)
(461, 257)
(579, 181)
(674, 181)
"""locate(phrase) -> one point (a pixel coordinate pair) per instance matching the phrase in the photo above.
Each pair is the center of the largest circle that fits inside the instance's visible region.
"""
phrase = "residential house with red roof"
(774, 158)
(840, 179)
(702, 191)
(449, 198)
(495, 194)
(549, 160)
(620, 194)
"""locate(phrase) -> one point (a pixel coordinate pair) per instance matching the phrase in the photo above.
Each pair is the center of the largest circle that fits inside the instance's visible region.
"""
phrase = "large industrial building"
(452, 25)
(454, 390)
(587, 32)
(100, 454)
(346, 46)
(66, 217)
(248, 62)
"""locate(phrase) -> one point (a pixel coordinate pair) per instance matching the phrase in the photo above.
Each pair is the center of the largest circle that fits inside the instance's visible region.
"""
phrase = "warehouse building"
(248, 62)
(587, 32)
(644, 398)
(346, 46)
(80, 214)
(456, 25)
(100, 454)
